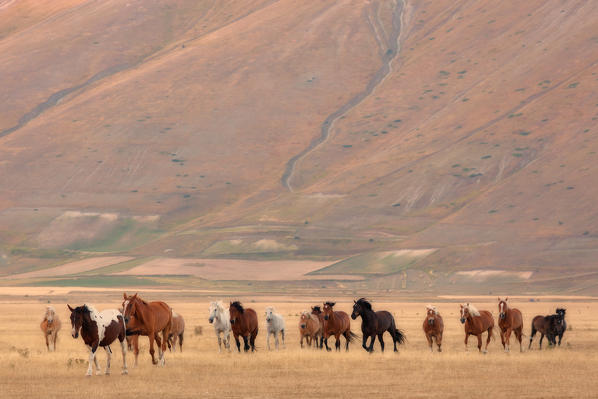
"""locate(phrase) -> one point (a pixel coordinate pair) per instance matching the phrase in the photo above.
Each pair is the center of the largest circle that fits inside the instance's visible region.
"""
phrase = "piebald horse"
(99, 329)
(476, 322)
(50, 327)
(433, 327)
(148, 319)
(509, 320)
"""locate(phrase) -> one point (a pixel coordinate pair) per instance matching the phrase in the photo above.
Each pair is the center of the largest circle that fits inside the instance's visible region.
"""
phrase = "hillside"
(458, 134)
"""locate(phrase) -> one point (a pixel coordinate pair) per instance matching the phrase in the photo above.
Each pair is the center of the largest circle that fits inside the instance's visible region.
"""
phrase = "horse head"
(560, 316)
(304, 317)
(269, 314)
(464, 312)
(328, 309)
(77, 316)
(502, 308)
(50, 313)
(316, 310)
(129, 307)
(431, 313)
(215, 311)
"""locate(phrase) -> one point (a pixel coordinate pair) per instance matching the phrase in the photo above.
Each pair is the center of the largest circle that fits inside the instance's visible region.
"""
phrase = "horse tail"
(352, 336)
(399, 336)
(181, 340)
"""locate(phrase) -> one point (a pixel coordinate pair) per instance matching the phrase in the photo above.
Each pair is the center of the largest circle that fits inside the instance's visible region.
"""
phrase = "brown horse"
(244, 323)
(550, 326)
(476, 323)
(509, 320)
(176, 332)
(148, 319)
(336, 323)
(433, 327)
(50, 327)
(309, 328)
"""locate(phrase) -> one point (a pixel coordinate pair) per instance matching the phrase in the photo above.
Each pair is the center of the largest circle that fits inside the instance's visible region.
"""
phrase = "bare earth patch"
(228, 269)
(74, 267)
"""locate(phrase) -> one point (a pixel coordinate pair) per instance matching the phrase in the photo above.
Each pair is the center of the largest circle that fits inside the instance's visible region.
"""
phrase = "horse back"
(343, 321)
(251, 320)
(385, 320)
(162, 315)
(516, 319)
(539, 323)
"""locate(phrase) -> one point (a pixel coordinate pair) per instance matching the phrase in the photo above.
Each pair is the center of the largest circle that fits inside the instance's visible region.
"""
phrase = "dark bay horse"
(552, 326)
(476, 323)
(336, 323)
(509, 320)
(148, 319)
(376, 324)
(433, 327)
(243, 323)
(99, 329)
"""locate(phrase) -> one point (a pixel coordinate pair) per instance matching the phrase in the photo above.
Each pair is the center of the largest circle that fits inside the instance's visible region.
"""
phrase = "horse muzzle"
(326, 317)
(462, 320)
(431, 322)
(501, 316)
(211, 320)
(303, 326)
(353, 316)
(232, 321)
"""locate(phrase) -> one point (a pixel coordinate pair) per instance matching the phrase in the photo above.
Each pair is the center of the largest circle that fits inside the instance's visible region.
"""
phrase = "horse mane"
(472, 309)
(433, 308)
(237, 305)
(270, 309)
(89, 308)
(363, 302)
(306, 314)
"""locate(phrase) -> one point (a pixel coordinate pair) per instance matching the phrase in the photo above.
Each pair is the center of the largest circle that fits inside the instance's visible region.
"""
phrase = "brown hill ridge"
(336, 129)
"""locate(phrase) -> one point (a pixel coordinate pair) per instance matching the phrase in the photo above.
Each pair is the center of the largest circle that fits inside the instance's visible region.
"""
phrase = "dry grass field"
(200, 371)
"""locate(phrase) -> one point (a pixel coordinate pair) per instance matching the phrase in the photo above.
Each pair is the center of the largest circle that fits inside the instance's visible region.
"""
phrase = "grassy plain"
(200, 371)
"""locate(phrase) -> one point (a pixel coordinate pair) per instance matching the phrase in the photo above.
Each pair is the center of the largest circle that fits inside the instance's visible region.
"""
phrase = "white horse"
(220, 317)
(275, 324)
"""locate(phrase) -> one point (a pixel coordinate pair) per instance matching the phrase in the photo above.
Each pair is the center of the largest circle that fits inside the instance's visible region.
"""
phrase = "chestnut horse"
(376, 324)
(177, 331)
(509, 320)
(148, 319)
(433, 327)
(476, 323)
(309, 328)
(244, 323)
(50, 327)
(317, 311)
(336, 323)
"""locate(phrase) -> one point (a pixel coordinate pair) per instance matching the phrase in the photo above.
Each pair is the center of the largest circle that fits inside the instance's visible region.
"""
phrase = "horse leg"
(282, 337)
(219, 344)
(531, 337)
(381, 339)
(252, 340)
(227, 341)
(337, 343)
(487, 339)
(161, 343)
(301, 341)
(502, 339)
(123, 348)
(560, 338)
(268, 340)
(245, 343)
(466, 338)
(47, 342)
(151, 338)
(431, 342)
(55, 338)
(92, 360)
(136, 349)
(238, 342)
(364, 342)
(326, 343)
(541, 338)
(518, 335)
(439, 342)
(276, 340)
(508, 340)
(108, 357)
(479, 336)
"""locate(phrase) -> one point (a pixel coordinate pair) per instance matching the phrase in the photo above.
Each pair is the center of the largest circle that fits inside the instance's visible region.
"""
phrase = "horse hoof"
(124, 372)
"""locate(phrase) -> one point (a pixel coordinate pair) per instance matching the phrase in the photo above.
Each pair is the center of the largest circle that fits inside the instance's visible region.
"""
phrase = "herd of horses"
(164, 327)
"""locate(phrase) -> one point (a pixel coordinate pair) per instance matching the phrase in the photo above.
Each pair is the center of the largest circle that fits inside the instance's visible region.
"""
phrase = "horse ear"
(498, 299)
(135, 296)
(506, 299)
(124, 295)
(71, 309)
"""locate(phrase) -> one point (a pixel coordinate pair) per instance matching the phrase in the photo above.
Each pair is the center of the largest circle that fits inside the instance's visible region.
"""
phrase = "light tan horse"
(309, 328)
(50, 327)
(433, 327)
(177, 332)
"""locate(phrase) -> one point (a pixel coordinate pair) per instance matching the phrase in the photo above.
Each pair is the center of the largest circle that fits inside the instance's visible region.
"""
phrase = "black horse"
(561, 324)
(552, 326)
(376, 323)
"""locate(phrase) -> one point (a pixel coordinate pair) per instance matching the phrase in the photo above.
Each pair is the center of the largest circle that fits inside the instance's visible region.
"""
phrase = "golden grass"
(200, 371)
